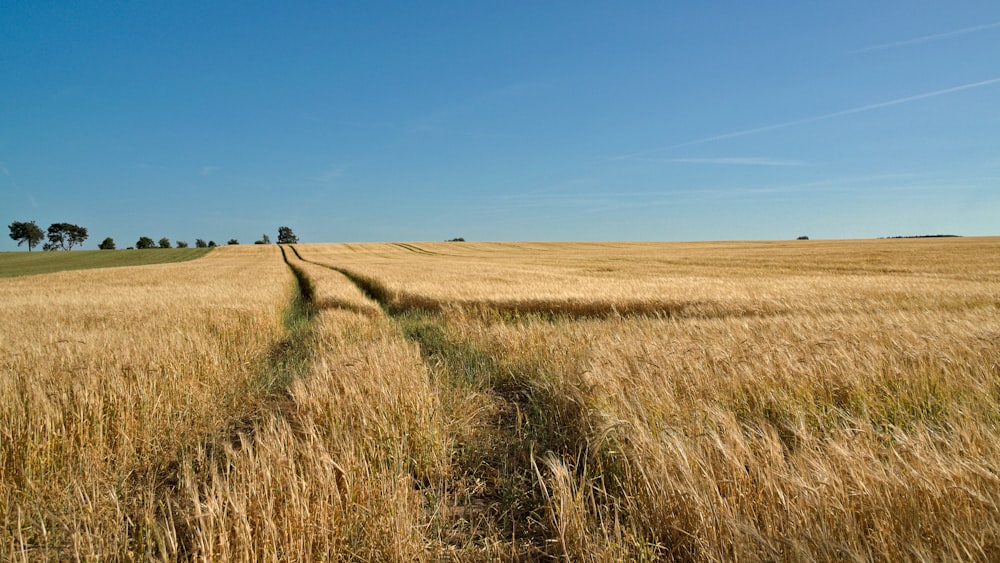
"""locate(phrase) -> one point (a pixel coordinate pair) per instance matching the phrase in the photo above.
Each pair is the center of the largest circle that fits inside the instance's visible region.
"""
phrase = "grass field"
(797, 401)
(14, 264)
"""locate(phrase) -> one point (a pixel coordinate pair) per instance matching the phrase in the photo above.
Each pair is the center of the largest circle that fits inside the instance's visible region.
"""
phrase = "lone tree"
(64, 236)
(233, 241)
(182, 244)
(26, 232)
(200, 243)
(144, 242)
(286, 236)
(264, 239)
(107, 244)
(164, 242)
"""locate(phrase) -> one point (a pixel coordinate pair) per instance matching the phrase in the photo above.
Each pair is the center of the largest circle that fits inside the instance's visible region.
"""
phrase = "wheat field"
(110, 379)
(793, 401)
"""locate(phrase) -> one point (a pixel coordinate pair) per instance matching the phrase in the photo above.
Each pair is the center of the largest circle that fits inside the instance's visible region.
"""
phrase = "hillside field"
(14, 264)
(792, 401)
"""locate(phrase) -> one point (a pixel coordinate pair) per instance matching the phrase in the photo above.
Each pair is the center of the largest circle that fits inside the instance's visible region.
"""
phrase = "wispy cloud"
(812, 119)
(310, 117)
(457, 117)
(330, 175)
(739, 161)
(208, 170)
(656, 197)
(67, 92)
(926, 38)
(5, 170)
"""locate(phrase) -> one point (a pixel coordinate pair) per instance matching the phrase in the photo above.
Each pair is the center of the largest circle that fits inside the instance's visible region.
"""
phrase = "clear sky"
(373, 121)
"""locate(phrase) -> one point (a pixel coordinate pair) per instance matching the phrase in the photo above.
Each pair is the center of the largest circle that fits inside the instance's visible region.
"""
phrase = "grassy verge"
(13, 264)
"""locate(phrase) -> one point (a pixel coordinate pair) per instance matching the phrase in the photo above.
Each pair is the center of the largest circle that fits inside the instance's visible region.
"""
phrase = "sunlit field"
(114, 384)
(800, 400)
(688, 280)
(794, 401)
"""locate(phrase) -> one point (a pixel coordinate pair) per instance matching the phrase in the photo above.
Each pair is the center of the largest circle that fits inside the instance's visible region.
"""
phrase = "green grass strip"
(14, 264)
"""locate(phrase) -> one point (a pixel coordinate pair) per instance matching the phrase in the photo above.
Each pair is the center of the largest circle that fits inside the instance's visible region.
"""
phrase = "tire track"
(416, 249)
(496, 494)
(395, 301)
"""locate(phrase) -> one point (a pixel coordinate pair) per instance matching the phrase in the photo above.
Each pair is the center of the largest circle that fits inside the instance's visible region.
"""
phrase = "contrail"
(925, 38)
(743, 161)
(814, 118)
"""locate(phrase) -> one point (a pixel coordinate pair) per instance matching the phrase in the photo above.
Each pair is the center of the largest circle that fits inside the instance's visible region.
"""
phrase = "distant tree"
(803, 237)
(26, 232)
(76, 235)
(164, 242)
(458, 239)
(286, 236)
(264, 239)
(107, 244)
(200, 243)
(63, 236)
(211, 244)
(144, 242)
(233, 241)
(182, 244)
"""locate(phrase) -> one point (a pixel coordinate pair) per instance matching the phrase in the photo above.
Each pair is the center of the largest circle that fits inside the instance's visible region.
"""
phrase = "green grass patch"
(14, 264)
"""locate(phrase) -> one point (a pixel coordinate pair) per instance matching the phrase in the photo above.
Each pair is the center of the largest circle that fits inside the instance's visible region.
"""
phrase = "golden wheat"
(798, 437)
(332, 476)
(838, 401)
(714, 401)
(329, 289)
(688, 280)
(108, 378)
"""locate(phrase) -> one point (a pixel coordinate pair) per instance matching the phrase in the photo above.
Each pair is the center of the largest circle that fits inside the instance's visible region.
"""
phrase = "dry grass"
(757, 401)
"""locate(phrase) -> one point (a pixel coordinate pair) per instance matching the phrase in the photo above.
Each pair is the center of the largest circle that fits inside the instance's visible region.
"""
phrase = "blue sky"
(365, 121)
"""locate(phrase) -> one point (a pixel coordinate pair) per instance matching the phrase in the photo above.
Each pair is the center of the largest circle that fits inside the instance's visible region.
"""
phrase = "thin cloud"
(330, 175)
(813, 119)
(926, 38)
(862, 183)
(444, 119)
(209, 170)
(739, 161)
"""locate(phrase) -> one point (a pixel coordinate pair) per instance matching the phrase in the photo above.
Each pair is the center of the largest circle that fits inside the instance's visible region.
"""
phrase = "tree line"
(64, 236)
